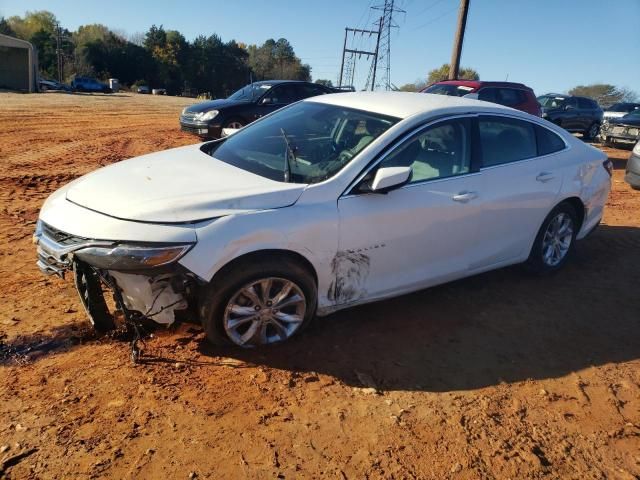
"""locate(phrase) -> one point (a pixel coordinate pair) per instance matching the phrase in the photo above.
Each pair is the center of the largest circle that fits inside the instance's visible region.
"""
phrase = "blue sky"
(551, 45)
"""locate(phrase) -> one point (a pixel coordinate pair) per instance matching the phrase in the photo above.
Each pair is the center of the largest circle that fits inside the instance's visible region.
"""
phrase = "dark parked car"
(510, 94)
(207, 119)
(632, 174)
(575, 114)
(622, 130)
(46, 85)
(88, 84)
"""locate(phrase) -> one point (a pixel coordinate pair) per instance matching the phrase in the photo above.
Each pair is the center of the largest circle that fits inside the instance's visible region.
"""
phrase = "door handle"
(464, 197)
(545, 177)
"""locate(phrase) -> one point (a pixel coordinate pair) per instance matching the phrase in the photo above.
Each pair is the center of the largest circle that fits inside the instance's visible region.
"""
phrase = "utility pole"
(375, 57)
(454, 66)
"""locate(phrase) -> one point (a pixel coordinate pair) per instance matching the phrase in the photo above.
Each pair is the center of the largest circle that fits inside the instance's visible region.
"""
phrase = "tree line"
(160, 58)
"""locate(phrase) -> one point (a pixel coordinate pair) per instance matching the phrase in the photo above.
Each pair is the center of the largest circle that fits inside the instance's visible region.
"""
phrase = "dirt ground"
(503, 375)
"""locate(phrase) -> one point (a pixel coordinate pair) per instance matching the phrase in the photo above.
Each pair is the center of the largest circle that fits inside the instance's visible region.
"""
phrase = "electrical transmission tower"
(348, 67)
(384, 56)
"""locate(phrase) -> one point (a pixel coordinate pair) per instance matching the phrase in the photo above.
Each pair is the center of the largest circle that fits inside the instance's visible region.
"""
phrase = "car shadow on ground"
(502, 326)
(29, 348)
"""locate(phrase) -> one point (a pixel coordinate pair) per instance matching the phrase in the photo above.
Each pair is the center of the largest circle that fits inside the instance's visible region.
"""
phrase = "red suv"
(514, 95)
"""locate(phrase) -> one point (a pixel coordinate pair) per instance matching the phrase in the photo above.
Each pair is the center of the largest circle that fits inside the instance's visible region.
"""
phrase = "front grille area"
(188, 116)
(60, 237)
(192, 129)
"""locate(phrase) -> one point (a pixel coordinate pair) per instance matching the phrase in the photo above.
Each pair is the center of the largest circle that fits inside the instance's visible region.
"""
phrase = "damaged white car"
(331, 202)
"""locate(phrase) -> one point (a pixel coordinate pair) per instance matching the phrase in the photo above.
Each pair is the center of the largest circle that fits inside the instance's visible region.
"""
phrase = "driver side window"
(442, 150)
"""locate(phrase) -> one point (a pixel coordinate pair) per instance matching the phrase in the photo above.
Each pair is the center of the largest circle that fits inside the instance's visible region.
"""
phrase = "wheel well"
(578, 206)
(271, 254)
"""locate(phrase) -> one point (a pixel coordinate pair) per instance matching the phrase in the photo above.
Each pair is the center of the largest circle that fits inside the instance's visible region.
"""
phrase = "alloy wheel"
(594, 130)
(557, 239)
(268, 310)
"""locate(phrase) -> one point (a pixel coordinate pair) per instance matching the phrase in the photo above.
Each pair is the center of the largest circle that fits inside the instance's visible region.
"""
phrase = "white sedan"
(330, 202)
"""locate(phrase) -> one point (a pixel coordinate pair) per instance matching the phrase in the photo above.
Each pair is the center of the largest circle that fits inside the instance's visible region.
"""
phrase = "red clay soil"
(503, 375)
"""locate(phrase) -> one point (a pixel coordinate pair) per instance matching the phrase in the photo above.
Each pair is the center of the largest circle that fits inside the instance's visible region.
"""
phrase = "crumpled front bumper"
(55, 249)
(154, 296)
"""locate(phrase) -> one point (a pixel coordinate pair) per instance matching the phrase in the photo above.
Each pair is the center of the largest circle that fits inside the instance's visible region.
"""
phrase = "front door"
(417, 235)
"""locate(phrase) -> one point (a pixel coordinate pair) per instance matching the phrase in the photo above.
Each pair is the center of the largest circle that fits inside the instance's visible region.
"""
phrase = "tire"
(539, 260)
(91, 295)
(234, 121)
(226, 291)
(592, 132)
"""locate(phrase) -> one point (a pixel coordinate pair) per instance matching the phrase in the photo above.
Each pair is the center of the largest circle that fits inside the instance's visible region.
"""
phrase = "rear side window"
(548, 142)
(511, 97)
(505, 140)
(584, 103)
(488, 95)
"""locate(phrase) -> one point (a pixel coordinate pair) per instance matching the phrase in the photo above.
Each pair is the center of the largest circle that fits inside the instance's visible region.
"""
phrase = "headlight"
(184, 110)
(131, 257)
(636, 149)
(204, 116)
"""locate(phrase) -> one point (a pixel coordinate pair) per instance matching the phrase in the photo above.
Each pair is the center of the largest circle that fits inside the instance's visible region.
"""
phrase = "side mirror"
(473, 96)
(569, 107)
(266, 101)
(388, 178)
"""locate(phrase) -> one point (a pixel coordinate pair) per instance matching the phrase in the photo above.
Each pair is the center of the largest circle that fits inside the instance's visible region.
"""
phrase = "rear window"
(446, 89)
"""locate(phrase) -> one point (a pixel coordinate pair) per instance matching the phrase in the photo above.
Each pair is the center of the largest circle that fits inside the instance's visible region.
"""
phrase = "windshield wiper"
(290, 151)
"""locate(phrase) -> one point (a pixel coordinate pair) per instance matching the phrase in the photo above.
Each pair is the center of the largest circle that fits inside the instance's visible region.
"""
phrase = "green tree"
(5, 28)
(605, 94)
(277, 60)
(326, 83)
(413, 87)
(32, 23)
(442, 73)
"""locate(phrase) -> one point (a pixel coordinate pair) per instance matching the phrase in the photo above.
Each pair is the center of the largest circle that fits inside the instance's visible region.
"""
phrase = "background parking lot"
(502, 375)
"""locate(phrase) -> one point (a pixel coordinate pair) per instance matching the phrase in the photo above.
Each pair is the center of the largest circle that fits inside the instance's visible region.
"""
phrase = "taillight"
(608, 166)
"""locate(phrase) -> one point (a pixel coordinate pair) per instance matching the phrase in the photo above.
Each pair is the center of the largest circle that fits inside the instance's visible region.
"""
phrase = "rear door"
(522, 179)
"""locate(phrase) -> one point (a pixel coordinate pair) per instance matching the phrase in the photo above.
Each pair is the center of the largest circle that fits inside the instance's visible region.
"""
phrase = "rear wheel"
(555, 240)
(592, 132)
(259, 303)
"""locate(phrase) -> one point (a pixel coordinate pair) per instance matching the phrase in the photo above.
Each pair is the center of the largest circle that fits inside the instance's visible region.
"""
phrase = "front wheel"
(259, 303)
(233, 123)
(555, 240)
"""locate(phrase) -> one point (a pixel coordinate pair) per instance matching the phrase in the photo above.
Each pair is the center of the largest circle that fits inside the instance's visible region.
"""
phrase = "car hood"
(626, 121)
(176, 186)
(213, 105)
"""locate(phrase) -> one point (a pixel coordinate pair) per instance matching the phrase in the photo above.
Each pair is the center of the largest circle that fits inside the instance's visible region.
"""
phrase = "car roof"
(405, 104)
(276, 82)
(482, 83)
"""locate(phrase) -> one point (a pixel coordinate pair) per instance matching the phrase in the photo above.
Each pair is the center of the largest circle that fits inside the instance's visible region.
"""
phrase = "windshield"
(446, 89)
(306, 142)
(550, 101)
(623, 107)
(250, 92)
